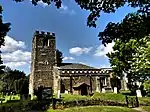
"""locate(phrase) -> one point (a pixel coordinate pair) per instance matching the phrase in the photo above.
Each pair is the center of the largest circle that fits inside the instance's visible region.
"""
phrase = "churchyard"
(70, 87)
(54, 85)
(98, 102)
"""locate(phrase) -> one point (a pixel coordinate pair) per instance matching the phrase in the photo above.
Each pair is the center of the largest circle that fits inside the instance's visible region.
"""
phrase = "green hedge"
(25, 106)
(69, 97)
(110, 96)
(88, 102)
(145, 101)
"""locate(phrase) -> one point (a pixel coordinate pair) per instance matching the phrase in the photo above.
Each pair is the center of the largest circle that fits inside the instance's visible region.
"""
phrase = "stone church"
(74, 78)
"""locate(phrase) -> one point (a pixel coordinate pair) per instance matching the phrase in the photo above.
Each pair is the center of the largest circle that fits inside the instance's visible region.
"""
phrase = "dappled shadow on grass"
(126, 93)
(96, 109)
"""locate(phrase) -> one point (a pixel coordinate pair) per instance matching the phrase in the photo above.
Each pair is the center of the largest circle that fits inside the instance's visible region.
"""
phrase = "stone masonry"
(43, 60)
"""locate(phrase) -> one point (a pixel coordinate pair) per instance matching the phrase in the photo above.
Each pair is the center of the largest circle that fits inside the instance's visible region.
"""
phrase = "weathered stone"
(115, 90)
(42, 65)
(138, 93)
(46, 73)
(103, 90)
(58, 94)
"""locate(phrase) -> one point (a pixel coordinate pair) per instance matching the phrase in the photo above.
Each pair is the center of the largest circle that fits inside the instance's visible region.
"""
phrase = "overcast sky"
(78, 43)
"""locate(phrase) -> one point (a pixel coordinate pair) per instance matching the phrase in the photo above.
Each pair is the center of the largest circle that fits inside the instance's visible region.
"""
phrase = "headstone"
(138, 93)
(103, 90)
(22, 97)
(58, 94)
(29, 97)
(32, 96)
(97, 89)
(66, 92)
(115, 90)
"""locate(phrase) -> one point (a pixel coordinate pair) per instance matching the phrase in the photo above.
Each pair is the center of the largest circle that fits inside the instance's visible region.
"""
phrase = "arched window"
(46, 62)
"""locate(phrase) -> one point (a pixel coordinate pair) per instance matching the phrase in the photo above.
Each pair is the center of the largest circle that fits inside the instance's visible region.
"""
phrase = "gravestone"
(66, 92)
(115, 90)
(103, 90)
(58, 95)
(138, 93)
(47, 92)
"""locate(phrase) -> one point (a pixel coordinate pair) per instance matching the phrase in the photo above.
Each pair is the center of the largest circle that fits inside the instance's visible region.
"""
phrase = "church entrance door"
(84, 90)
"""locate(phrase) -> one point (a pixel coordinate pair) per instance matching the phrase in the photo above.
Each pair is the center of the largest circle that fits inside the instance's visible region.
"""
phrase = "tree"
(12, 77)
(97, 6)
(147, 87)
(134, 26)
(4, 28)
(141, 65)
(133, 58)
(59, 57)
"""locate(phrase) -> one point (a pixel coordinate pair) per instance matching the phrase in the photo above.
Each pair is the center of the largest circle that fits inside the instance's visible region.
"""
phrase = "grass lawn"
(110, 96)
(103, 96)
(120, 97)
(146, 108)
(12, 97)
(69, 97)
(96, 109)
(144, 100)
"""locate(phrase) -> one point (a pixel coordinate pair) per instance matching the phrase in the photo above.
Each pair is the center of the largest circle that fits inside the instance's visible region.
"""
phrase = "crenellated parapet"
(44, 34)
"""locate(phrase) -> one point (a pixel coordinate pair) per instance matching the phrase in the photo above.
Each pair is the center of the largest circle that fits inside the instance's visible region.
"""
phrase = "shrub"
(89, 102)
(109, 96)
(24, 106)
(146, 85)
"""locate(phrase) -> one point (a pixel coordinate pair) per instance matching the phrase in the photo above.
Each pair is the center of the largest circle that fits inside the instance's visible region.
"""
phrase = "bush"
(110, 96)
(25, 106)
(146, 85)
(145, 101)
(89, 102)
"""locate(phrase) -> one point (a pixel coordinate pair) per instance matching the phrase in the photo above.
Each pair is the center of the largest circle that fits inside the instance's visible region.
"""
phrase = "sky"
(77, 42)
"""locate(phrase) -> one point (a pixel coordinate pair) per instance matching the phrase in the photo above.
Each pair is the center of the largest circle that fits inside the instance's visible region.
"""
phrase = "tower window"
(46, 62)
(45, 42)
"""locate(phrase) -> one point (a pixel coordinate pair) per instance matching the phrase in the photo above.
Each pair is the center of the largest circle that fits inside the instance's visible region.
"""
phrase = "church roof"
(79, 84)
(75, 66)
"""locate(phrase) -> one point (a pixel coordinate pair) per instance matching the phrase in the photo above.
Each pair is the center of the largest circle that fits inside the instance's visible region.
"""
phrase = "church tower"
(43, 59)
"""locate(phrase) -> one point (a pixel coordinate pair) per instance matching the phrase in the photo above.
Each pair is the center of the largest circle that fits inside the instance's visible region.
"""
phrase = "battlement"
(44, 34)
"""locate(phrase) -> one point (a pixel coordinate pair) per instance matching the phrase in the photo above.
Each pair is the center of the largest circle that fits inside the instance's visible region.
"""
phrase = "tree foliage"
(59, 57)
(133, 26)
(126, 34)
(141, 61)
(14, 80)
(4, 28)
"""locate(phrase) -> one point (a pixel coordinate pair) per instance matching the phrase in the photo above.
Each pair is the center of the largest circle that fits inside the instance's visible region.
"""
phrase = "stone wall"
(43, 60)
(56, 79)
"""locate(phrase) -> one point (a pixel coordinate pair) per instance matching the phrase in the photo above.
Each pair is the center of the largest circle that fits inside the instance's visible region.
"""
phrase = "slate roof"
(75, 66)
(79, 84)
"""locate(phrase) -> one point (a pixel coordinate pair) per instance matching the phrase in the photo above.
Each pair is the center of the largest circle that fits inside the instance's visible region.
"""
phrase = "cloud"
(68, 58)
(83, 63)
(15, 65)
(64, 9)
(79, 51)
(104, 66)
(102, 50)
(42, 3)
(17, 56)
(14, 54)
(12, 45)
